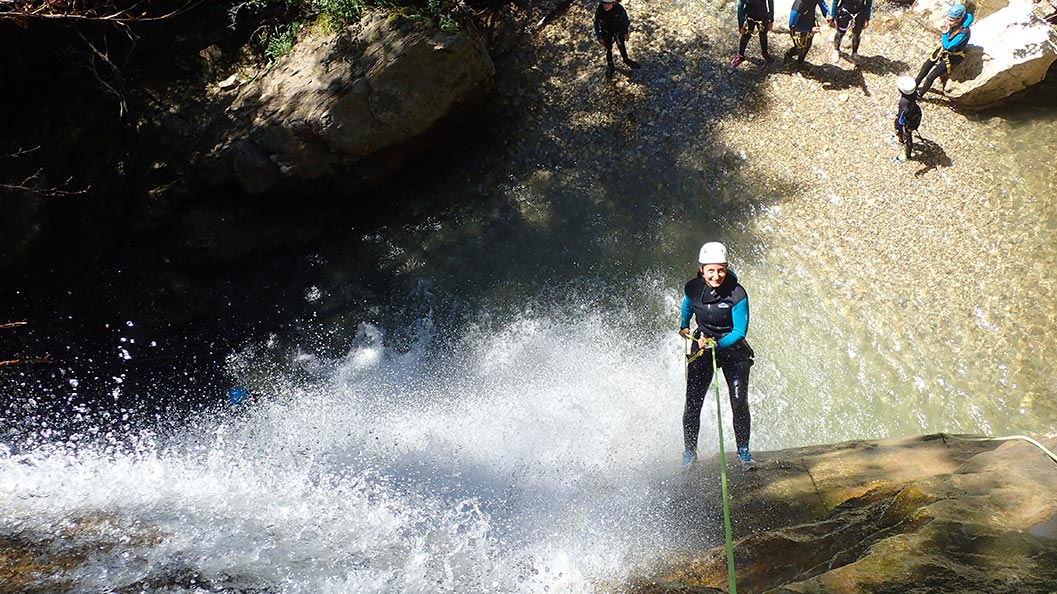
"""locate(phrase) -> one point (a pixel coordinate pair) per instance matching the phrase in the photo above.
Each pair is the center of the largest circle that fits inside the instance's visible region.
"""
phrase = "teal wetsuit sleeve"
(869, 8)
(685, 310)
(741, 13)
(598, 30)
(740, 316)
(833, 7)
(770, 11)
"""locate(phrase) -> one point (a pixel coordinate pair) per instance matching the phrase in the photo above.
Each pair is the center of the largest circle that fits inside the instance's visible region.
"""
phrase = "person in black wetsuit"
(908, 118)
(802, 27)
(721, 308)
(612, 25)
(954, 38)
(754, 16)
(849, 14)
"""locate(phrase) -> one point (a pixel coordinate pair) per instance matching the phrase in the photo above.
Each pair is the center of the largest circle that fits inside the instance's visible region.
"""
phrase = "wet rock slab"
(915, 514)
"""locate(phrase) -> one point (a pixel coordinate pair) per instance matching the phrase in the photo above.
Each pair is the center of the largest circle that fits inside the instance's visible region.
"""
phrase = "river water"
(487, 397)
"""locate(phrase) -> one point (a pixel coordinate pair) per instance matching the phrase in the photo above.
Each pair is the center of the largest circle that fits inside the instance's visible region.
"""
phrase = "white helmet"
(712, 252)
(906, 85)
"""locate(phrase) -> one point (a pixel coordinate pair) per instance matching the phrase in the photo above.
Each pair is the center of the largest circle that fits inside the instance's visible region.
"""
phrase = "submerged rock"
(920, 514)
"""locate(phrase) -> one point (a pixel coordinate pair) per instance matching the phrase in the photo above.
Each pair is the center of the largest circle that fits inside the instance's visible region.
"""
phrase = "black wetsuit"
(612, 25)
(907, 120)
(755, 16)
(721, 313)
(801, 26)
(851, 14)
(944, 58)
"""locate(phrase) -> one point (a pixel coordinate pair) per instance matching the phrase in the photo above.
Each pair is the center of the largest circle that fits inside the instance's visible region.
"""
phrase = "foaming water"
(536, 455)
(526, 459)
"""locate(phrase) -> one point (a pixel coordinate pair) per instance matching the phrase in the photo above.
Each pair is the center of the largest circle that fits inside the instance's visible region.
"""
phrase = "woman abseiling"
(720, 306)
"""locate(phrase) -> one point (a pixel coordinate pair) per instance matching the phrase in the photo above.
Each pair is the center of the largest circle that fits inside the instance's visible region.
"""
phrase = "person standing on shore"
(908, 118)
(720, 306)
(803, 26)
(954, 38)
(754, 16)
(612, 25)
(845, 14)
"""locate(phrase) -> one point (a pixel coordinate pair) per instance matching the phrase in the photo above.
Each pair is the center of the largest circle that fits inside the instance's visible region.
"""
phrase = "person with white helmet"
(954, 38)
(908, 118)
(720, 306)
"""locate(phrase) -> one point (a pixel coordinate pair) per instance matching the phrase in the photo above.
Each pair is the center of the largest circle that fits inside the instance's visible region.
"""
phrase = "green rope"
(719, 416)
(1006, 438)
(711, 344)
(723, 476)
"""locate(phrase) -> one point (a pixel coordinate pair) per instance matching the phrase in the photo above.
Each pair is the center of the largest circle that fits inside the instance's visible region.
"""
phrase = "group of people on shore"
(714, 298)
(756, 17)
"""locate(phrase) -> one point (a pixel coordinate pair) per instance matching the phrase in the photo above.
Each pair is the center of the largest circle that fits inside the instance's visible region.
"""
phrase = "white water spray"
(524, 460)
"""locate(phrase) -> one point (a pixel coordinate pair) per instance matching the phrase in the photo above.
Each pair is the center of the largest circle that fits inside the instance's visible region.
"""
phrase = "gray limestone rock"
(342, 112)
(1009, 51)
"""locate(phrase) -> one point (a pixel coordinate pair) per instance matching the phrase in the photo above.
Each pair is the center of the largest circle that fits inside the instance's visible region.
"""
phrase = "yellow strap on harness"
(710, 344)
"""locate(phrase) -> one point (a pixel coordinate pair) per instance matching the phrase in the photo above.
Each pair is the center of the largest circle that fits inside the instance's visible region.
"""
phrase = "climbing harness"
(754, 27)
(940, 54)
(1052, 456)
(854, 18)
(694, 357)
(800, 38)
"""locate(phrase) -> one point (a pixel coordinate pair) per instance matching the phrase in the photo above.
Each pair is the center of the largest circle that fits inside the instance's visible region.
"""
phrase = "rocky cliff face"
(338, 115)
(920, 514)
(1010, 50)
(342, 112)
(204, 164)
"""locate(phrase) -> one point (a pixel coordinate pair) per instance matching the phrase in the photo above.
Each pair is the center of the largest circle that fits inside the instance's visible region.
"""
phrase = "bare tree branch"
(102, 11)
(53, 191)
(19, 153)
(44, 359)
(115, 72)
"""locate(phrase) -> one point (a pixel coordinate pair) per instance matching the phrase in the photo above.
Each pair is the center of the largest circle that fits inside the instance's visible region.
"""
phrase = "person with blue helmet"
(954, 38)
(720, 306)
(754, 16)
(849, 14)
(612, 25)
(803, 26)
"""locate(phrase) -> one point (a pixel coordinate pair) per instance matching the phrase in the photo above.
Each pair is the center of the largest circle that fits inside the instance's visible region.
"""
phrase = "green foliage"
(281, 41)
(338, 13)
(440, 12)
(263, 4)
(278, 21)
